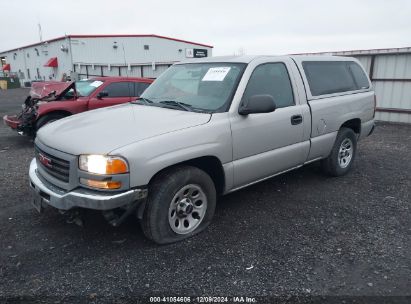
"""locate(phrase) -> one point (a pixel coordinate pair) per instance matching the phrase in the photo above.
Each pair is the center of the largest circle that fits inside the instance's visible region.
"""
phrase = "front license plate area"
(37, 202)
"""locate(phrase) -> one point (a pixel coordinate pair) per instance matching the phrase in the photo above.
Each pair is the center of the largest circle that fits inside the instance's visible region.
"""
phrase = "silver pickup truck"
(204, 128)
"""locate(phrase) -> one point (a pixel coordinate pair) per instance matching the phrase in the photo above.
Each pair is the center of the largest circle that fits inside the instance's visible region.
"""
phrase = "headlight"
(103, 164)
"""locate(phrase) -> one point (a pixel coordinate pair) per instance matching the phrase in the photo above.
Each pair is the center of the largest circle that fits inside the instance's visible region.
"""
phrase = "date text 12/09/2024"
(203, 299)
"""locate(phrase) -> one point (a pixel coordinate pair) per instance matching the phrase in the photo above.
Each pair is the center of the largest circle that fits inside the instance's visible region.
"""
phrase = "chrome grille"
(56, 167)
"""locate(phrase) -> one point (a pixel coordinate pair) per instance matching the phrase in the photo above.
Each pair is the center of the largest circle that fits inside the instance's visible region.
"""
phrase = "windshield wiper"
(169, 103)
(181, 105)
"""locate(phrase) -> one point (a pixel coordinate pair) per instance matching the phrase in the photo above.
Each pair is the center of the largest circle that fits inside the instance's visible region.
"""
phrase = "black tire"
(332, 165)
(162, 190)
(48, 118)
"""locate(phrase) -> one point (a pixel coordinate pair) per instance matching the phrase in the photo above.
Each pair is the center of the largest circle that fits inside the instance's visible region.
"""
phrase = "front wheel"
(342, 155)
(180, 204)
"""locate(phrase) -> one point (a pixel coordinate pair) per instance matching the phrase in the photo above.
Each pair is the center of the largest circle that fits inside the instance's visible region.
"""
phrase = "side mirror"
(102, 94)
(257, 104)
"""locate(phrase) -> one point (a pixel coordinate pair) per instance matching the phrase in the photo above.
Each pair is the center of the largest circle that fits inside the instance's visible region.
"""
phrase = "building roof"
(108, 36)
(249, 58)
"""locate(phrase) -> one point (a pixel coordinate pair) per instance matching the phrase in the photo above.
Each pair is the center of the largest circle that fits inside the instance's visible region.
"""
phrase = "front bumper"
(11, 121)
(80, 197)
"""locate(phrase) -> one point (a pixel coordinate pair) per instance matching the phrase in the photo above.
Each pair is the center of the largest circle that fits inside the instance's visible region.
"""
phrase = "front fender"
(148, 157)
(69, 106)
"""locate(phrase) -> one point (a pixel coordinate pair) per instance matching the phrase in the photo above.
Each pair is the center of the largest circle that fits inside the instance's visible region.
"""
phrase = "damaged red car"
(52, 100)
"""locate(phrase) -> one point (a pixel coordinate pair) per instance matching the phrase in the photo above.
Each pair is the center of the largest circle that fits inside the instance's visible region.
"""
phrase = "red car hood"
(43, 89)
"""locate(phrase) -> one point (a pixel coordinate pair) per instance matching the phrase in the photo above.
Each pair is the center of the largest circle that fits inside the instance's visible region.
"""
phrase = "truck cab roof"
(250, 58)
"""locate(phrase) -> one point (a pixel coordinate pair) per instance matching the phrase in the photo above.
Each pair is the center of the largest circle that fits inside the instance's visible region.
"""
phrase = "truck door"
(268, 143)
(112, 94)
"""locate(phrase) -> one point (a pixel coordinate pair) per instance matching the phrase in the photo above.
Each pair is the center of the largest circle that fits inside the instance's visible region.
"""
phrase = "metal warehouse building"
(390, 73)
(81, 56)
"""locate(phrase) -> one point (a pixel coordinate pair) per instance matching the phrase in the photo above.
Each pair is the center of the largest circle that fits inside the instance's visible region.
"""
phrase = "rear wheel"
(180, 204)
(342, 155)
(48, 118)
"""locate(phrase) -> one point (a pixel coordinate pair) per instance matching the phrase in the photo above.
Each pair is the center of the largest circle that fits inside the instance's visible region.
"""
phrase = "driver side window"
(120, 89)
(271, 79)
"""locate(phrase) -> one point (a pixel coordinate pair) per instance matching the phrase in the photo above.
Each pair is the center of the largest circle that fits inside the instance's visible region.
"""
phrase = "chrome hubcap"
(187, 209)
(345, 153)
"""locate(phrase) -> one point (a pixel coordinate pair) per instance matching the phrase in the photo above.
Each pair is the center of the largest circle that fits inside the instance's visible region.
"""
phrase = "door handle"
(296, 119)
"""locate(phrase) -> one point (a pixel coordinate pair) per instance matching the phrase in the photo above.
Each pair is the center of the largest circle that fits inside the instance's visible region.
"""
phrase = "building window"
(28, 55)
(28, 73)
(146, 47)
(38, 73)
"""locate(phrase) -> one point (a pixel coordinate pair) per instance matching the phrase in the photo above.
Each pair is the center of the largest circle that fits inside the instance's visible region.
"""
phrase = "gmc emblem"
(45, 161)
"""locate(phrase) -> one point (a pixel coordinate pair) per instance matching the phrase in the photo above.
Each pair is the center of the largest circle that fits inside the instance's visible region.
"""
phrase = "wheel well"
(353, 124)
(209, 164)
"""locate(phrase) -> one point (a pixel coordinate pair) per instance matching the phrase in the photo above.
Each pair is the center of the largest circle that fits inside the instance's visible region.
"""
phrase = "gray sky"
(256, 27)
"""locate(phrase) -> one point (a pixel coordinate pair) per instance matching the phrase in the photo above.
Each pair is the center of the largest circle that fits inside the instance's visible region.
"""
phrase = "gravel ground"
(299, 235)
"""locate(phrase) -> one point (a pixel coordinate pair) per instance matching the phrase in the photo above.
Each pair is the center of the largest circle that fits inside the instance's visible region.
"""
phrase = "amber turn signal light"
(115, 166)
(100, 184)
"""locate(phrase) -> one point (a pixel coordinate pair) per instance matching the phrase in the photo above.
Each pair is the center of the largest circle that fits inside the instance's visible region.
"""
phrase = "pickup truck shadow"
(284, 185)
(272, 195)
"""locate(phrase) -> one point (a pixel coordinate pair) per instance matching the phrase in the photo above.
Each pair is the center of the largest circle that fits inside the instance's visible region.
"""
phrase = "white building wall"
(129, 54)
(391, 78)
(26, 61)
(129, 50)
(92, 55)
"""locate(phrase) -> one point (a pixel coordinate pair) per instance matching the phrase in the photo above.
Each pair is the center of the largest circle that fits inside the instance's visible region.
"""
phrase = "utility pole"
(40, 32)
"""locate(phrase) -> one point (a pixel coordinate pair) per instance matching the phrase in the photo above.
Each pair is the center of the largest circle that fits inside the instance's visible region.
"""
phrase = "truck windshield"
(86, 87)
(199, 86)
